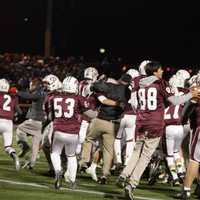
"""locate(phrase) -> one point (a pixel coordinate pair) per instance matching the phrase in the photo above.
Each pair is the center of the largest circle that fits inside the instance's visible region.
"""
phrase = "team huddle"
(119, 124)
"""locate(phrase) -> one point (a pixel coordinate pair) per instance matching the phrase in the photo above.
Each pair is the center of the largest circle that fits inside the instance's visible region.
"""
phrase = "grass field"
(32, 185)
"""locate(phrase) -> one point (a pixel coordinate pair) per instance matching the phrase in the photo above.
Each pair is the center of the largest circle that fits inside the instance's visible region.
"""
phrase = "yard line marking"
(23, 183)
(75, 190)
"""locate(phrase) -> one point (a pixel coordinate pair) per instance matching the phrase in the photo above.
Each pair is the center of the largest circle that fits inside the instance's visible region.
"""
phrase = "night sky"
(168, 31)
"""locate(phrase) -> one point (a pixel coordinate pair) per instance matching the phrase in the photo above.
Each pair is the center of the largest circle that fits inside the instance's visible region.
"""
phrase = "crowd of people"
(81, 117)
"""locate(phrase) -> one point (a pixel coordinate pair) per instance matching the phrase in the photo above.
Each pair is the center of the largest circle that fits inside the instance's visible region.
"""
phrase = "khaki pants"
(32, 128)
(140, 159)
(105, 130)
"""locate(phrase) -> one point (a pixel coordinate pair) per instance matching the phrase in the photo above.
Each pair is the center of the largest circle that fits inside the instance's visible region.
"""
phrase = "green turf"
(25, 192)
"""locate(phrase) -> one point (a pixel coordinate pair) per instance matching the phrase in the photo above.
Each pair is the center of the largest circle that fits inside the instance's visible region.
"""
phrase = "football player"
(174, 132)
(8, 105)
(90, 76)
(52, 85)
(67, 108)
(192, 111)
(152, 92)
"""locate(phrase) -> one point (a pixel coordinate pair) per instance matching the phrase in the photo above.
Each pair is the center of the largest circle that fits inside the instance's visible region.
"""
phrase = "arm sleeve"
(108, 102)
(29, 96)
(176, 100)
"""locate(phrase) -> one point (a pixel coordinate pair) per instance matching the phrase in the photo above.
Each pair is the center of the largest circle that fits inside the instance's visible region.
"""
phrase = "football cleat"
(152, 180)
(181, 177)
(112, 170)
(67, 178)
(103, 180)
(184, 195)
(92, 172)
(16, 160)
(121, 181)
(129, 192)
(175, 182)
(58, 180)
(72, 185)
(27, 165)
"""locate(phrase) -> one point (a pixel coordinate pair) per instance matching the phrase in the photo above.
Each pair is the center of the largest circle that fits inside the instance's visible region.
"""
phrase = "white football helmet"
(70, 85)
(142, 67)
(53, 82)
(91, 73)
(172, 80)
(177, 82)
(182, 73)
(4, 85)
(133, 73)
(193, 80)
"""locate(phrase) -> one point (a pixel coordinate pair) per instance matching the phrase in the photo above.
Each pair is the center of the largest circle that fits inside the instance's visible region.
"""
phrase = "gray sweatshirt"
(35, 112)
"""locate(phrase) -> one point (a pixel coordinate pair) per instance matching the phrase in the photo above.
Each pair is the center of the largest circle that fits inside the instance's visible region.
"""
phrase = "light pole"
(48, 29)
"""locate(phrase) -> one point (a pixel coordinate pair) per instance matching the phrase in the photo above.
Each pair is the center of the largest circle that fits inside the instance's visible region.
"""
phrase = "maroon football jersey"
(48, 106)
(7, 105)
(173, 115)
(82, 85)
(85, 92)
(67, 112)
(150, 113)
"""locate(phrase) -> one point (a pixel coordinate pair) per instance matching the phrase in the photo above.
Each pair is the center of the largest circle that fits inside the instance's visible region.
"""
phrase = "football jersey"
(173, 113)
(7, 105)
(84, 90)
(48, 106)
(67, 110)
(151, 102)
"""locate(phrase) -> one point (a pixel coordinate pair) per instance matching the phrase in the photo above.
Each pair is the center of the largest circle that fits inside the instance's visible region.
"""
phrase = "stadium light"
(102, 50)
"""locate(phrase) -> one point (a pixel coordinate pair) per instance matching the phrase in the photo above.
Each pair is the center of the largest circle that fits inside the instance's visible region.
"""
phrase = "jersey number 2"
(6, 104)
